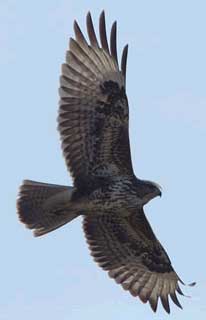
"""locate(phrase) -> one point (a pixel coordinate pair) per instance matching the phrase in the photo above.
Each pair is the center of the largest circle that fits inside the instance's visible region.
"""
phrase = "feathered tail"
(44, 207)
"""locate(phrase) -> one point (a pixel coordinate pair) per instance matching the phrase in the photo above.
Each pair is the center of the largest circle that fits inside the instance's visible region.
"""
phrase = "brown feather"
(102, 32)
(78, 34)
(91, 31)
(124, 61)
(164, 295)
(113, 41)
(175, 300)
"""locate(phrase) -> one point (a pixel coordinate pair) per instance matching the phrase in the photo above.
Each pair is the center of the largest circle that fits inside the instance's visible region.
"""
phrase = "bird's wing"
(93, 114)
(128, 249)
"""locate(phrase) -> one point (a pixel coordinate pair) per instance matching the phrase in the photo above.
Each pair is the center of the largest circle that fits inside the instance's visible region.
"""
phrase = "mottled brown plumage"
(93, 117)
(93, 125)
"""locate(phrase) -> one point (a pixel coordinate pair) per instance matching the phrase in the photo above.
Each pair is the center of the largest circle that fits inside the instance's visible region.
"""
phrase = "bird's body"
(120, 194)
(93, 125)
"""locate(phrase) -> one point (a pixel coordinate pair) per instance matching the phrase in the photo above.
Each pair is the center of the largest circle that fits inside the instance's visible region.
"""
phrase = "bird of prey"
(93, 125)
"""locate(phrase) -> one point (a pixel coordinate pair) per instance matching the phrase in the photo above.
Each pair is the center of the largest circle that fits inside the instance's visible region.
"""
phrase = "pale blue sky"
(54, 277)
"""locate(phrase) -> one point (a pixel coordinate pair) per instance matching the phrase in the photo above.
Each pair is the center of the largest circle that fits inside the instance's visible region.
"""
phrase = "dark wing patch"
(128, 249)
(93, 114)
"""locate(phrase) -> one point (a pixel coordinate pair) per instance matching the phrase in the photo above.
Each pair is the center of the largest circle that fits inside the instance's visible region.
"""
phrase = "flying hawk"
(93, 125)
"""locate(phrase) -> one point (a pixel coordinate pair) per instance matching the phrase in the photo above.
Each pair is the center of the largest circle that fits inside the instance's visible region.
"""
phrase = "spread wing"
(93, 114)
(128, 249)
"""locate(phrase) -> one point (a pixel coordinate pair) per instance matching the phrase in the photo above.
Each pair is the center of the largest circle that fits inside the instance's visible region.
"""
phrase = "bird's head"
(148, 190)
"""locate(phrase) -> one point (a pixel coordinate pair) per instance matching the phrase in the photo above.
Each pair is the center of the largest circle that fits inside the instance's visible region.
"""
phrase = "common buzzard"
(93, 125)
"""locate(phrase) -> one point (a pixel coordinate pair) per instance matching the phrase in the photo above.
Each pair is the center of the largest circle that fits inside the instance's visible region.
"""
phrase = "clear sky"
(54, 277)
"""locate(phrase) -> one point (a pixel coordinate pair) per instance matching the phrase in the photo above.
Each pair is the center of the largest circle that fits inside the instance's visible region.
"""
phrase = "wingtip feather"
(124, 61)
(113, 41)
(78, 33)
(102, 32)
(91, 31)
(174, 298)
(165, 303)
(153, 304)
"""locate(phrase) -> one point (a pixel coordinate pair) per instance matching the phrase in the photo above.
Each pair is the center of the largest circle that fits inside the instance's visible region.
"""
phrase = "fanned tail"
(44, 207)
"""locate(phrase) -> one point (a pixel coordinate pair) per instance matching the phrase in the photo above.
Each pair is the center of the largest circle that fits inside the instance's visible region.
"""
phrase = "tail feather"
(44, 207)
